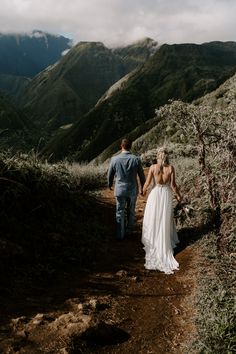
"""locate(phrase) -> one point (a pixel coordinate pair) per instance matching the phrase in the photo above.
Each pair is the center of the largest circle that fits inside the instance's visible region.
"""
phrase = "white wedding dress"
(159, 235)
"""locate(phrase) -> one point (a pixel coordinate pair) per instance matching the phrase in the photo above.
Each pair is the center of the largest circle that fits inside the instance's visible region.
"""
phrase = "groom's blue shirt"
(125, 167)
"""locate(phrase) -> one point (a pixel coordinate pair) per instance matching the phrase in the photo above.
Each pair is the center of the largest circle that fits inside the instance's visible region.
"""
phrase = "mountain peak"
(41, 34)
(147, 41)
(26, 54)
(90, 44)
(36, 33)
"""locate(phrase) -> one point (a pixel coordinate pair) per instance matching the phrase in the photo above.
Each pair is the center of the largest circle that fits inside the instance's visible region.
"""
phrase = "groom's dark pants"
(125, 215)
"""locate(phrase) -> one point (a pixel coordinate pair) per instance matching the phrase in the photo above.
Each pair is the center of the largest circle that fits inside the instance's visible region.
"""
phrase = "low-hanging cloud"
(117, 22)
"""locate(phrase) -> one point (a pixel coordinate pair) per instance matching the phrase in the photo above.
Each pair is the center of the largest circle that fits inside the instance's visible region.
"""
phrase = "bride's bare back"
(162, 174)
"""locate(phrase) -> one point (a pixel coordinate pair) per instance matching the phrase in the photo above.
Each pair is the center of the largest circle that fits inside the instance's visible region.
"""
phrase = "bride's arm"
(173, 185)
(148, 180)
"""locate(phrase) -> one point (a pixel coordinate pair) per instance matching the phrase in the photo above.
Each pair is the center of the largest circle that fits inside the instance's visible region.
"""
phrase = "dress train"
(159, 235)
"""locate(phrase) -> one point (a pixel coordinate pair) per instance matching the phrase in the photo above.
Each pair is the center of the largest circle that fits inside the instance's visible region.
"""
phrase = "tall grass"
(47, 213)
(216, 300)
(90, 176)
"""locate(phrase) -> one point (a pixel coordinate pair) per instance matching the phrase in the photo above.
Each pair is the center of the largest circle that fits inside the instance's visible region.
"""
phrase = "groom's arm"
(111, 174)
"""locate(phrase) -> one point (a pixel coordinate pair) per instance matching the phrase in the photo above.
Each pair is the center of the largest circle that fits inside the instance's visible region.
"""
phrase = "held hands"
(143, 192)
(179, 198)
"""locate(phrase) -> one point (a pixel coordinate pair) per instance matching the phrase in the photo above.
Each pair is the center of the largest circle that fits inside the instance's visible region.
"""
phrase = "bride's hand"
(143, 192)
(179, 198)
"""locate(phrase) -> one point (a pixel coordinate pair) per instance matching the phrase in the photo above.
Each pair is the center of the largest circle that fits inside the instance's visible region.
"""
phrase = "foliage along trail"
(118, 308)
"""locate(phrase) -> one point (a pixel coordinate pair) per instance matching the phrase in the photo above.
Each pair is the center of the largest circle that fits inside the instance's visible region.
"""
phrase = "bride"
(159, 233)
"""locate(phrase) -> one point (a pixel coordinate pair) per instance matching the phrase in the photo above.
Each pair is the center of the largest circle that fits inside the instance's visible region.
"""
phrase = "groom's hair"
(126, 144)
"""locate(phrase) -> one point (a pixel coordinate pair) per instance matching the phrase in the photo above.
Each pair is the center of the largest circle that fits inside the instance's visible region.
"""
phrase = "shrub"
(212, 187)
(46, 211)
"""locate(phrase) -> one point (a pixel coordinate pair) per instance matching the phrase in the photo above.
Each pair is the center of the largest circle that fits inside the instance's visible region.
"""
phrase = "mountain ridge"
(22, 56)
(33, 52)
(82, 76)
(174, 72)
(154, 133)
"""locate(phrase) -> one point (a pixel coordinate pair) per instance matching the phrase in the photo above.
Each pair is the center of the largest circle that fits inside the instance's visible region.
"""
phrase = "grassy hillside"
(220, 100)
(184, 71)
(13, 85)
(10, 117)
(63, 93)
(47, 217)
(16, 130)
(132, 135)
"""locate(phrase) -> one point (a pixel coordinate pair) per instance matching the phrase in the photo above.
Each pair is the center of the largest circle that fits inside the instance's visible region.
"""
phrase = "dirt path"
(119, 308)
(155, 309)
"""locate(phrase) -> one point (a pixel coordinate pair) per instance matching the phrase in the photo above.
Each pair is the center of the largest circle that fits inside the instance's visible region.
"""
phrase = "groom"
(125, 167)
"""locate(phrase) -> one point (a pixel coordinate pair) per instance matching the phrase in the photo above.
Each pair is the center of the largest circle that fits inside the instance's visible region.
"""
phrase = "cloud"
(116, 22)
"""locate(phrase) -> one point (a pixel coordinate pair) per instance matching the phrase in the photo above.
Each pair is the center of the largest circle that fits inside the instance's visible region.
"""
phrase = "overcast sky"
(116, 22)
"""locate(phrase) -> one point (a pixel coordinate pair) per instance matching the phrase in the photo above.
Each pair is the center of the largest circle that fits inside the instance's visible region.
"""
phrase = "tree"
(212, 132)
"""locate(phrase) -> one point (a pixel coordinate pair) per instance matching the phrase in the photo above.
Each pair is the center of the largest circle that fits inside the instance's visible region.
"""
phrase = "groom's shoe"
(119, 239)
(119, 232)
(130, 233)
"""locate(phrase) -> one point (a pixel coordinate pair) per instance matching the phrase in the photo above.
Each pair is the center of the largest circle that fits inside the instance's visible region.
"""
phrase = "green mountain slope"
(154, 132)
(11, 118)
(66, 91)
(181, 71)
(221, 99)
(13, 85)
(16, 130)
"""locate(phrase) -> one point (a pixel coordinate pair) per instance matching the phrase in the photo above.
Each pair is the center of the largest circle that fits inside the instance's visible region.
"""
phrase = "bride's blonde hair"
(163, 155)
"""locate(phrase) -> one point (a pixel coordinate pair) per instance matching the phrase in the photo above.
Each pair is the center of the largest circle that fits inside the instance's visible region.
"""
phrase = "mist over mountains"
(22, 56)
(28, 54)
(80, 104)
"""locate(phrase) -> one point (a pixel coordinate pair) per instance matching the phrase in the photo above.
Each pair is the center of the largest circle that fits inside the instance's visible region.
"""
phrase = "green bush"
(210, 185)
(48, 217)
(216, 318)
